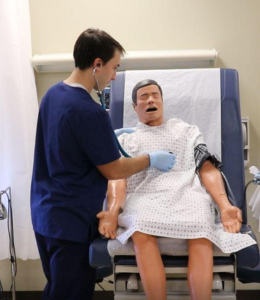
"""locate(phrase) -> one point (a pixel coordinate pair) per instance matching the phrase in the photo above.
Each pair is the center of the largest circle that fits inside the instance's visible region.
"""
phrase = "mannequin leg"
(200, 269)
(150, 266)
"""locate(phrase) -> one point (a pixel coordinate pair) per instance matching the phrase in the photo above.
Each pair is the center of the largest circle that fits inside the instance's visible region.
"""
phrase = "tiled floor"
(241, 295)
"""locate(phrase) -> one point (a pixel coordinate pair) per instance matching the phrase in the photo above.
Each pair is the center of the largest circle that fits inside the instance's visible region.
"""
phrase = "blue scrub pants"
(66, 267)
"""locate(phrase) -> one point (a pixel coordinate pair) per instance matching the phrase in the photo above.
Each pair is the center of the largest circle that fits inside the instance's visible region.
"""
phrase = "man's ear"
(97, 63)
(134, 105)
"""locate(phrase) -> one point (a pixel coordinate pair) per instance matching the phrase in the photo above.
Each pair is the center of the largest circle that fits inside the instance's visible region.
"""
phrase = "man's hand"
(107, 224)
(124, 130)
(162, 160)
(231, 218)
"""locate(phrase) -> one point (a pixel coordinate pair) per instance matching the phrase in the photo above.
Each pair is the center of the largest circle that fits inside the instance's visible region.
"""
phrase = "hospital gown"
(171, 204)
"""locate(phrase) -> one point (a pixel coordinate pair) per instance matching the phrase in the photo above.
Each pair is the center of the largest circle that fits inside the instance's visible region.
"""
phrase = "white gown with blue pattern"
(171, 204)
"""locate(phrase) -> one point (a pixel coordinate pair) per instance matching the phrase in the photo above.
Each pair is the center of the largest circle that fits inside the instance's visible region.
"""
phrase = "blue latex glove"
(257, 176)
(162, 160)
(124, 130)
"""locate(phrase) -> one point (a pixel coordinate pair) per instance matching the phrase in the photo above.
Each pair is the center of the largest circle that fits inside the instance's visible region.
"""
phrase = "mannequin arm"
(231, 216)
(115, 198)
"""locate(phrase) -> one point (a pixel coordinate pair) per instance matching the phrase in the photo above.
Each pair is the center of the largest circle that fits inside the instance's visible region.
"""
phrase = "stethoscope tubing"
(117, 141)
(103, 105)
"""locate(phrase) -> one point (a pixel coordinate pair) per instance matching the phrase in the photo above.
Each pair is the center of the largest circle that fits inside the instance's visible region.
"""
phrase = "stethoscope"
(99, 93)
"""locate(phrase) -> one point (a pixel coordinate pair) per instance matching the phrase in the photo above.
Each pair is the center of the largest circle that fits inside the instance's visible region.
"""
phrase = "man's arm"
(231, 216)
(115, 198)
(126, 167)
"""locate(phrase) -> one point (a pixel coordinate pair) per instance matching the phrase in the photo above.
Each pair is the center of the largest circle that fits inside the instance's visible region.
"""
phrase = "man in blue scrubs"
(75, 155)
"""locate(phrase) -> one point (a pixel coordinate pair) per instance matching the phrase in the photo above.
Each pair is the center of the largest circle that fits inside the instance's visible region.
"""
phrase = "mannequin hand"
(107, 224)
(162, 160)
(124, 130)
(231, 218)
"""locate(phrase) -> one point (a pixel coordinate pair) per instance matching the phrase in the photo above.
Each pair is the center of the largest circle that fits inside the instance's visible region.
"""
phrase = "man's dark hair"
(141, 84)
(92, 44)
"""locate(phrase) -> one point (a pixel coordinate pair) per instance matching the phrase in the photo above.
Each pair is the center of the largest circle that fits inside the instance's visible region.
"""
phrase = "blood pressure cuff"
(201, 154)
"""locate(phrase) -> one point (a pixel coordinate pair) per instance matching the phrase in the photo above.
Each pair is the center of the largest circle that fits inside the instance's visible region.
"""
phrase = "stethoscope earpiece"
(94, 70)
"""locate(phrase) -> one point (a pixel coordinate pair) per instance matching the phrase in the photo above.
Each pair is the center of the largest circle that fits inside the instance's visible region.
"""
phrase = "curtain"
(18, 116)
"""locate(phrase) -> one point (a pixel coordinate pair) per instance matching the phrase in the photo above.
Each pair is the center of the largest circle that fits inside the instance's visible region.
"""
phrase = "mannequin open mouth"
(151, 109)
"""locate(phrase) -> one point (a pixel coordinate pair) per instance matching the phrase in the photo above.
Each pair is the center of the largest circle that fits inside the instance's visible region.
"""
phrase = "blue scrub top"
(74, 135)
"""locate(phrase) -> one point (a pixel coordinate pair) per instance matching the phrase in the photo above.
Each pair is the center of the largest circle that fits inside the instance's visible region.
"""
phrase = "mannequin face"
(149, 107)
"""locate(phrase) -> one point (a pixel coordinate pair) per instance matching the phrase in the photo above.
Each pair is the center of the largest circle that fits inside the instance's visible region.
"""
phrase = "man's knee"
(201, 245)
(140, 239)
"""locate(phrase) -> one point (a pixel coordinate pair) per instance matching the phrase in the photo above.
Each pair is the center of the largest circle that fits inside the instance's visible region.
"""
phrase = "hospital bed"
(244, 264)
